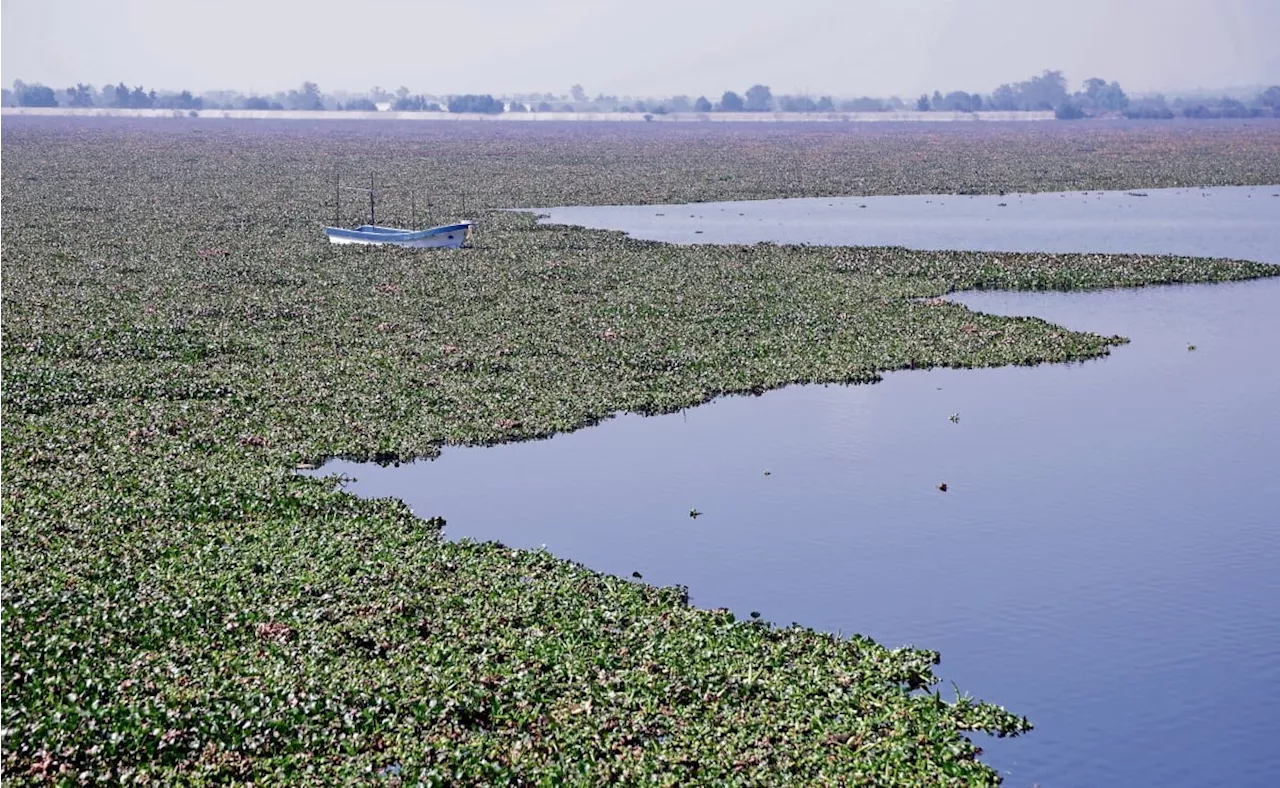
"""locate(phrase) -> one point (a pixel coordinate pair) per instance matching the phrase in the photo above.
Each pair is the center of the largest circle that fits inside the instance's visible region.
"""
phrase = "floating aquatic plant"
(181, 607)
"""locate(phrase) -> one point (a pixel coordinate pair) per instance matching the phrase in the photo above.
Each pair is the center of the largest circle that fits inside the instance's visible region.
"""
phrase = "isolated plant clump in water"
(179, 606)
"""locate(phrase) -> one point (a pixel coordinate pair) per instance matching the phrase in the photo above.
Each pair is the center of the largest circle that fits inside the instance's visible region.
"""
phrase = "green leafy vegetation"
(181, 606)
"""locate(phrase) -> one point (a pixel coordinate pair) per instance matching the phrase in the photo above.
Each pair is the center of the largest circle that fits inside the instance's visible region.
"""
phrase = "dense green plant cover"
(181, 606)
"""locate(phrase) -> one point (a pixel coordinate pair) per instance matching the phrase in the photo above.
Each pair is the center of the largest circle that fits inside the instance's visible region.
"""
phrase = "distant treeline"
(1046, 92)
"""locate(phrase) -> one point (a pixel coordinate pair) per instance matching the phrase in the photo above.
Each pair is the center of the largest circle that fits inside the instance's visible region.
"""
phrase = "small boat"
(446, 236)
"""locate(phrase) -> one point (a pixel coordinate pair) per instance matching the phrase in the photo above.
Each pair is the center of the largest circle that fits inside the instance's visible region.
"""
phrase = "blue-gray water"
(1105, 557)
(1238, 222)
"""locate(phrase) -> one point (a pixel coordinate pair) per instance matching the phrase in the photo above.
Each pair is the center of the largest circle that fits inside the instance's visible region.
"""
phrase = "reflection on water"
(1236, 222)
(1104, 559)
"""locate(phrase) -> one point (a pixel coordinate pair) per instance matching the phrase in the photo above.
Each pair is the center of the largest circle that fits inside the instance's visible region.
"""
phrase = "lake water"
(1105, 558)
(1237, 222)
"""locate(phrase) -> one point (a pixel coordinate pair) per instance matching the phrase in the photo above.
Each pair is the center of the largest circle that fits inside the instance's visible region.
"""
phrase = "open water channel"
(1105, 560)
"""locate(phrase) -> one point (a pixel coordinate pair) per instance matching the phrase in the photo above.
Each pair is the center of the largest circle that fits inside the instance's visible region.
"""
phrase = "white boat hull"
(449, 236)
(424, 243)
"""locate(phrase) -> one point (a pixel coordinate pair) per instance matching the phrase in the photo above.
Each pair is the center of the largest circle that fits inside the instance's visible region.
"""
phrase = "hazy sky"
(640, 47)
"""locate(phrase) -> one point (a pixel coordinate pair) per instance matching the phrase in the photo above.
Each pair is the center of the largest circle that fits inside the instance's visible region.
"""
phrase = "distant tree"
(1148, 113)
(1231, 108)
(377, 94)
(1093, 87)
(407, 103)
(922, 103)
(485, 104)
(418, 103)
(959, 101)
(80, 96)
(1044, 92)
(120, 96)
(1100, 96)
(797, 104)
(1047, 91)
(360, 105)
(759, 99)
(566, 108)
(257, 102)
(7, 98)
(1269, 99)
(1149, 108)
(825, 104)
(544, 106)
(1068, 111)
(730, 102)
(935, 99)
(1113, 99)
(678, 104)
(946, 102)
(867, 104)
(306, 98)
(579, 95)
(221, 99)
(1004, 98)
(142, 99)
(35, 95)
(516, 106)
(183, 100)
(702, 105)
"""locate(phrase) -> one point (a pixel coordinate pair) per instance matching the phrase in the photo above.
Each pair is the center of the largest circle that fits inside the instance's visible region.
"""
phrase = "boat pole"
(371, 220)
(337, 199)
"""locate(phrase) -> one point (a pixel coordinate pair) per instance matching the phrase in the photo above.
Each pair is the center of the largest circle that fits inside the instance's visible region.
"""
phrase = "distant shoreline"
(527, 117)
